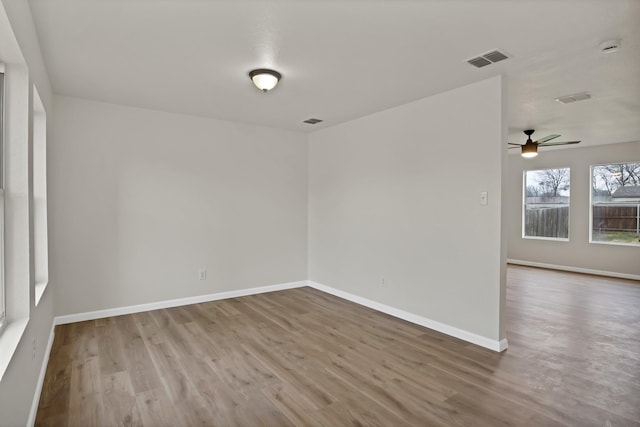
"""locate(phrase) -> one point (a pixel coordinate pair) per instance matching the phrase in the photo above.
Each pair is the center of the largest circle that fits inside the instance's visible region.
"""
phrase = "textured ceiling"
(344, 59)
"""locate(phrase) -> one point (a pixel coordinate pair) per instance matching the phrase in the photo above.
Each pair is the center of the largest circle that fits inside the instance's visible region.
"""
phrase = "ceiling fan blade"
(560, 143)
(518, 146)
(546, 138)
(511, 143)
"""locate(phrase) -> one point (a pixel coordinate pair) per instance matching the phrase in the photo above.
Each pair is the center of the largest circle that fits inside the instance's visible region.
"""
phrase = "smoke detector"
(610, 46)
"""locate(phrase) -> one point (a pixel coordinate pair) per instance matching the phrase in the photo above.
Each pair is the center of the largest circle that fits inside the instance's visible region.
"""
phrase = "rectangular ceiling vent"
(495, 56)
(312, 121)
(488, 58)
(568, 99)
(479, 62)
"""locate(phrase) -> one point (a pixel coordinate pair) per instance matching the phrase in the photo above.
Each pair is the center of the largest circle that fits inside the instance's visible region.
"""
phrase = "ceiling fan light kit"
(530, 148)
(264, 78)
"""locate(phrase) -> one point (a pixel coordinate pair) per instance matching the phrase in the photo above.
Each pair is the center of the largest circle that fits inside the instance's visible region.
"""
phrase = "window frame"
(591, 205)
(524, 207)
(3, 299)
(39, 195)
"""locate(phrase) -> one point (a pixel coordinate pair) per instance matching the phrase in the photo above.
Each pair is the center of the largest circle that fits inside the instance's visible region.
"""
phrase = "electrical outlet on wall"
(202, 274)
(484, 198)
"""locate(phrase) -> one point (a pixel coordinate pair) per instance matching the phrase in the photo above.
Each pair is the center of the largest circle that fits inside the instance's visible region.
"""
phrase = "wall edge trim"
(43, 370)
(462, 334)
(573, 269)
(139, 308)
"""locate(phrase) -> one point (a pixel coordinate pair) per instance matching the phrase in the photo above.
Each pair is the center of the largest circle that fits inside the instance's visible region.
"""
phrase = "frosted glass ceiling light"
(265, 79)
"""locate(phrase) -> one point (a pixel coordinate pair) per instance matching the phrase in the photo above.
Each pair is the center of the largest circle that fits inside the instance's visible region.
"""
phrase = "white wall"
(396, 194)
(140, 200)
(577, 252)
(18, 385)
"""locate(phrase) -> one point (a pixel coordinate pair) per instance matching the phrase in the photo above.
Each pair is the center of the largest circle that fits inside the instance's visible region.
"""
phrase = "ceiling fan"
(530, 148)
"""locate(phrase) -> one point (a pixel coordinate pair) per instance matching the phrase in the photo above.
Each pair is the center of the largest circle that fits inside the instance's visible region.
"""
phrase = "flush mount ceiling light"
(265, 79)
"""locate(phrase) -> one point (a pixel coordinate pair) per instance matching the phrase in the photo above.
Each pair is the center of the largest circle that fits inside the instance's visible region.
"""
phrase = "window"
(615, 203)
(2, 299)
(15, 191)
(546, 204)
(40, 253)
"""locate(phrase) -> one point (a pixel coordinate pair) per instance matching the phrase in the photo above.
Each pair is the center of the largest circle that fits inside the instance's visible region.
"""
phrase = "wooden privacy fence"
(616, 218)
(547, 221)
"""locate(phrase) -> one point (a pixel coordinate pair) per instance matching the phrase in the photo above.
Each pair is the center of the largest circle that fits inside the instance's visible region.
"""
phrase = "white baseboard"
(118, 311)
(574, 269)
(40, 383)
(471, 337)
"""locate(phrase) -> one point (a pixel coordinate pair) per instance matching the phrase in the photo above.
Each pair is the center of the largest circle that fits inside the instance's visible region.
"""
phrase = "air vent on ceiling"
(610, 46)
(495, 56)
(488, 58)
(479, 62)
(312, 121)
(582, 96)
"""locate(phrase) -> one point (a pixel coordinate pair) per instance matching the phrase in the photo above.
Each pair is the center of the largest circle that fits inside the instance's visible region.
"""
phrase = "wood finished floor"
(304, 358)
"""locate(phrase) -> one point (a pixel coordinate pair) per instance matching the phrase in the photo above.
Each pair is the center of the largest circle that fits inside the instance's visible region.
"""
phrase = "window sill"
(595, 242)
(40, 288)
(553, 239)
(9, 340)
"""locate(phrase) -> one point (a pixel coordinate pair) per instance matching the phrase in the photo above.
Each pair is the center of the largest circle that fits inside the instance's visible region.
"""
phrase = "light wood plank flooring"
(304, 358)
